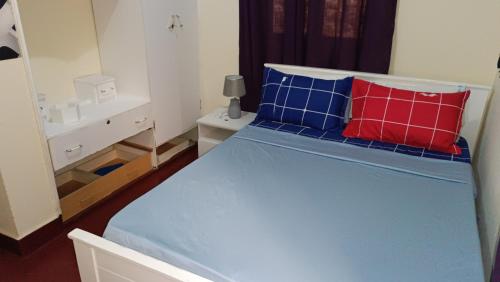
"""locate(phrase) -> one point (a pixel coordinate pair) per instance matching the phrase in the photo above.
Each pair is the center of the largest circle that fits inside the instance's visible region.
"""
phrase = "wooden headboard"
(474, 110)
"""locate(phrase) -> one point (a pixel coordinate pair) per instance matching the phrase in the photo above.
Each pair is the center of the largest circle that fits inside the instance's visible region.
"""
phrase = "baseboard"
(34, 240)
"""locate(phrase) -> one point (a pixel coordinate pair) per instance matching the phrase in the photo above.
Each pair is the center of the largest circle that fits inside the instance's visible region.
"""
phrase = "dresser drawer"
(78, 144)
(69, 148)
(81, 187)
(122, 126)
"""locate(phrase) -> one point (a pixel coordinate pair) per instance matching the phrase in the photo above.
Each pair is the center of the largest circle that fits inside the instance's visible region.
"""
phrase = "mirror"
(9, 48)
(62, 45)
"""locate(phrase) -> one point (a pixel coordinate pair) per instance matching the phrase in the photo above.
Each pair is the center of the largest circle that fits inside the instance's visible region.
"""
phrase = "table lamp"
(234, 87)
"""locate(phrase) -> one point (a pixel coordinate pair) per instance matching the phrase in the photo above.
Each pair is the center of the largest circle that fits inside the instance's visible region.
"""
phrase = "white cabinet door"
(172, 65)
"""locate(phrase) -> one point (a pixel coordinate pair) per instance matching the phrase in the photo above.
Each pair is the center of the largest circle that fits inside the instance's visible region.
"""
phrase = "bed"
(269, 205)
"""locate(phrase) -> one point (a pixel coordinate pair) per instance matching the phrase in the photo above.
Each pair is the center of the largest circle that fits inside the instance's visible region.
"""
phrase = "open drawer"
(97, 178)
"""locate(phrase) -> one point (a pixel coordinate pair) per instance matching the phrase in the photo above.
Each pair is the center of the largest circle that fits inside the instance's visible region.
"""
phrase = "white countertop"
(95, 112)
(219, 119)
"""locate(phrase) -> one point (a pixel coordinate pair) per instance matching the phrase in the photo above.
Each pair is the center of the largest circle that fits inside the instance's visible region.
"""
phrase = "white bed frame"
(103, 260)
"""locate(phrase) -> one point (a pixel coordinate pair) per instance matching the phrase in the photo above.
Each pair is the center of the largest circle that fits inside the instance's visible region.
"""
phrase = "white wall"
(62, 44)
(488, 177)
(26, 183)
(219, 48)
(457, 40)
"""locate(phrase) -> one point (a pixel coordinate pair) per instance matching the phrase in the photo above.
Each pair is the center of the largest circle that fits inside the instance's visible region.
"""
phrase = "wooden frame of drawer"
(103, 186)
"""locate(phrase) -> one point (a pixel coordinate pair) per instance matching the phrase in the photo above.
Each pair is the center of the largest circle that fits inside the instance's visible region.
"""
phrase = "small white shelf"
(94, 113)
(216, 127)
(219, 119)
(210, 140)
(216, 133)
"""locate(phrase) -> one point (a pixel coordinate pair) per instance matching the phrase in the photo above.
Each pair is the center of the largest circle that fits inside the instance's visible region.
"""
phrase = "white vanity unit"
(101, 126)
(142, 94)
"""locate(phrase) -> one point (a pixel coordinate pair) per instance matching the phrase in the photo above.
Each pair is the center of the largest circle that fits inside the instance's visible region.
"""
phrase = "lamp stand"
(234, 109)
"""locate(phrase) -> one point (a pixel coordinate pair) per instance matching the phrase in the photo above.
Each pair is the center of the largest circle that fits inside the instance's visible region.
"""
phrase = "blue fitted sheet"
(272, 206)
(335, 135)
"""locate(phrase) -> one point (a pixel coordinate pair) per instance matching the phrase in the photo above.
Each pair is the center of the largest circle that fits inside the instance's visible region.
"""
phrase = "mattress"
(272, 206)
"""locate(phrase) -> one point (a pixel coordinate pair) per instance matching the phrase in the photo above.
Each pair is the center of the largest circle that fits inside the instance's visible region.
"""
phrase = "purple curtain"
(339, 34)
(495, 273)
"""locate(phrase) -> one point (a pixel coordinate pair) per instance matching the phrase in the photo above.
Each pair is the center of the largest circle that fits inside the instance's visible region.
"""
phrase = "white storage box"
(96, 88)
(65, 113)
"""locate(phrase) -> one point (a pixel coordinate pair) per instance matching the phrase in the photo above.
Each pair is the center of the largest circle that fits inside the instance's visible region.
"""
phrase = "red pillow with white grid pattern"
(421, 119)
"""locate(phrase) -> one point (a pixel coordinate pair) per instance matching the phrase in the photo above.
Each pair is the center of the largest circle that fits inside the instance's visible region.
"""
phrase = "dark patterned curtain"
(339, 34)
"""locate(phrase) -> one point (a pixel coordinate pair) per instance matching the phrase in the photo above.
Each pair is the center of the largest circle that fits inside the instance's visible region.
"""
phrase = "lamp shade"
(234, 86)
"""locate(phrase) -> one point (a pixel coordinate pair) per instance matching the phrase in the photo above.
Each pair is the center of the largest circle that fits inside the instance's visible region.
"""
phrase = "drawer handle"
(141, 121)
(74, 149)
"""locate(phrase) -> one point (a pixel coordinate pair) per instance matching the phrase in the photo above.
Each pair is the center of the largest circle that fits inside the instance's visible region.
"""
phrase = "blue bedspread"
(272, 206)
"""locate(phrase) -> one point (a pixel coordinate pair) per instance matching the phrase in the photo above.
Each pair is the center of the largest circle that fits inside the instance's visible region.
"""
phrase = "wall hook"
(175, 23)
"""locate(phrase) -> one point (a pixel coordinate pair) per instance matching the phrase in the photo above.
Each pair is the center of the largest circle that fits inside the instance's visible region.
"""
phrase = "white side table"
(216, 127)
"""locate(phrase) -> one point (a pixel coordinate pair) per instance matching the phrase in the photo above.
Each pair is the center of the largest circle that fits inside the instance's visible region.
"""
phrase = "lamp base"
(234, 109)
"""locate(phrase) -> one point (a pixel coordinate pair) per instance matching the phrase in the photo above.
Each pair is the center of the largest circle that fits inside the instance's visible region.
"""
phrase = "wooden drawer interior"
(120, 154)
(82, 187)
(73, 180)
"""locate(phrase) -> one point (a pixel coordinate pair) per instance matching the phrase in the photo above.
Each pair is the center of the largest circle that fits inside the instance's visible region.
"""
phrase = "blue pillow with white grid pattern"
(303, 100)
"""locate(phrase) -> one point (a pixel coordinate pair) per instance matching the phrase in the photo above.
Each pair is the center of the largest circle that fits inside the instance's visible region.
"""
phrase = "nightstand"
(216, 127)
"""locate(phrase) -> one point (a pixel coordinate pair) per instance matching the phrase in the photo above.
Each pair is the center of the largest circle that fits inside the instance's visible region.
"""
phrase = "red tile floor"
(55, 261)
